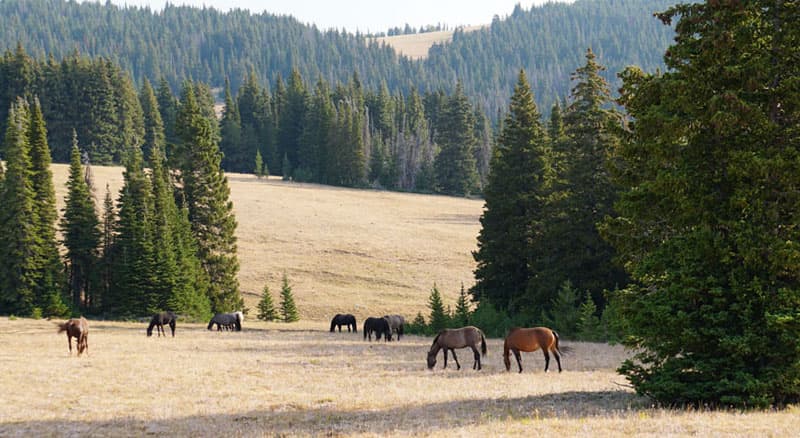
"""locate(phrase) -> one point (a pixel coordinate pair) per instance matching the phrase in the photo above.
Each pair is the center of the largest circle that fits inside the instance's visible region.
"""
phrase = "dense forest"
(209, 46)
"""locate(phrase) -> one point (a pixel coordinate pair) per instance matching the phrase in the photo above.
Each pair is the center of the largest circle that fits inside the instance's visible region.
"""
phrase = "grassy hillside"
(343, 250)
(416, 46)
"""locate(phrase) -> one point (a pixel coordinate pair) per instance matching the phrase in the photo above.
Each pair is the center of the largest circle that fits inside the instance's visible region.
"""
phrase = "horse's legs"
(558, 360)
(172, 327)
(546, 359)
(477, 362)
(519, 358)
(69, 342)
(453, 351)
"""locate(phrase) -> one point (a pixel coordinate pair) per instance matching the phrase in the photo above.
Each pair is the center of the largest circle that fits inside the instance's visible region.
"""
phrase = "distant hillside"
(416, 45)
(179, 42)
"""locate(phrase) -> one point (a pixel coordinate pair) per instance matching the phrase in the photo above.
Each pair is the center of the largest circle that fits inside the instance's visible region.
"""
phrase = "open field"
(416, 45)
(364, 252)
(299, 379)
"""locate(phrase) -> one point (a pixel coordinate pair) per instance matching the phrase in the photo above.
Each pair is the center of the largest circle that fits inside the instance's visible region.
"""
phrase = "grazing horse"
(77, 328)
(346, 320)
(159, 320)
(450, 339)
(532, 339)
(379, 326)
(396, 323)
(227, 320)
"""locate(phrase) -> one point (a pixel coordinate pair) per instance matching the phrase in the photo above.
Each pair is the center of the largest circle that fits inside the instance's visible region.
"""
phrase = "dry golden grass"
(300, 380)
(363, 252)
(415, 46)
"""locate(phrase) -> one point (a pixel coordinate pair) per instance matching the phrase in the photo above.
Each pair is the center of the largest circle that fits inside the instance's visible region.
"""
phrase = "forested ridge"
(209, 46)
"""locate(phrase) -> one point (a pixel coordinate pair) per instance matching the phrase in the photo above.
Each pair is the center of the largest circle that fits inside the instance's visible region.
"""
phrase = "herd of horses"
(518, 339)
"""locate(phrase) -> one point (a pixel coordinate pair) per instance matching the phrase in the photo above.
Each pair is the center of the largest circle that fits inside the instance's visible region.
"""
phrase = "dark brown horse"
(77, 328)
(159, 320)
(532, 339)
(450, 339)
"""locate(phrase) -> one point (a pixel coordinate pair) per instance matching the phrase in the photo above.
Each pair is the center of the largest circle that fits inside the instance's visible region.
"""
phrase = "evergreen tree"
(133, 286)
(455, 167)
(259, 165)
(586, 195)
(50, 276)
(705, 225)
(439, 319)
(19, 239)
(154, 134)
(290, 123)
(109, 230)
(81, 230)
(165, 266)
(589, 328)
(266, 308)
(518, 187)
(207, 194)
(461, 317)
(288, 308)
(235, 154)
(168, 108)
(563, 313)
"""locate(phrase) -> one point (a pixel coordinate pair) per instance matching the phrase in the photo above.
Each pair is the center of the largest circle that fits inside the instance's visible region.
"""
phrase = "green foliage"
(288, 308)
(564, 314)
(589, 326)
(81, 230)
(259, 168)
(494, 323)
(439, 318)
(708, 167)
(417, 326)
(455, 167)
(461, 316)
(266, 308)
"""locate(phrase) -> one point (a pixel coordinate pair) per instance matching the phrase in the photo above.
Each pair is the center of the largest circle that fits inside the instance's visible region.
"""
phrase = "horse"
(450, 339)
(532, 339)
(396, 323)
(79, 329)
(159, 320)
(227, 320)
(346, 320)
(378, 325)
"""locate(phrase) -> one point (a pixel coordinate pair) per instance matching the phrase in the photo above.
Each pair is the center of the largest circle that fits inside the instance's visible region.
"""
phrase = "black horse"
(379, 326)
(159, 320)
(226, 320)
(346, 320)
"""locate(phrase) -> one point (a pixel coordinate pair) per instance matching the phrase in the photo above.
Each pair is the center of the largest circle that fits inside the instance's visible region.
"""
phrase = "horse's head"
(431, 359)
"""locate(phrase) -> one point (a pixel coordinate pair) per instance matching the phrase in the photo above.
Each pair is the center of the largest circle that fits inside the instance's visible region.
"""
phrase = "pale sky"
(364, 15)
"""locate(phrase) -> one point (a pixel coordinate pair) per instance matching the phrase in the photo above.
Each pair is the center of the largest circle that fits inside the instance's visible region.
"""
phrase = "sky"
(364, 15)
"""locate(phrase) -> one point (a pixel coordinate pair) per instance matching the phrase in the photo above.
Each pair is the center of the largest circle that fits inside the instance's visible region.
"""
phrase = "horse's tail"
(238, 321)
(333, 322)
(560, 350)
(364, 329)
(483, 342)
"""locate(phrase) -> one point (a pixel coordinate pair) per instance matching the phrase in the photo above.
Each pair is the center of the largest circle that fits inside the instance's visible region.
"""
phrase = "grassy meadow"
(361, 252)
(416, 46)
(300, 380)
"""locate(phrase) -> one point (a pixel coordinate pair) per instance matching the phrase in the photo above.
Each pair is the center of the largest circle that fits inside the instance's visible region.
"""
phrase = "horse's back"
(529, 338)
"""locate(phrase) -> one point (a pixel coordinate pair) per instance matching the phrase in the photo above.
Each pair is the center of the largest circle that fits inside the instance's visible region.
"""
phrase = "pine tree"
(168, 108)
(132, 288)
(705, 225)
(154, 135)
(438, 318)
(516, 193)
(461, 317)
(19, 239)
(81, 230)
(259, 165)
(266, 308)
(235, 153)
(50, 276)
(107, 259)
(288, 308)
(455, 167)
(207, 195)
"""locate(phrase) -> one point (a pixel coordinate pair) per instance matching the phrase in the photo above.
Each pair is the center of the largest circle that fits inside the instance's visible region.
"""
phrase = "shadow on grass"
(328, 418)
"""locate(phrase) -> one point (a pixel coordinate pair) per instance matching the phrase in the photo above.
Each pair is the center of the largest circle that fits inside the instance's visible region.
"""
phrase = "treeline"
(166, 243)
(340, 135)
(210, 46)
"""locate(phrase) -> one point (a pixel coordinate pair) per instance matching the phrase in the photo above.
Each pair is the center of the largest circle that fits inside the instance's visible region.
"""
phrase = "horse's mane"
(436, 338)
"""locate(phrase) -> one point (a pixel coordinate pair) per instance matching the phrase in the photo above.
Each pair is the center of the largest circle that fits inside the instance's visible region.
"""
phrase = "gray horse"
(396, 323)
(227, 320)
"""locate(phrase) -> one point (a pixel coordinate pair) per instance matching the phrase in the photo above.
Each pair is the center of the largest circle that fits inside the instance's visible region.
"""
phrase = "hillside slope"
(343, 250)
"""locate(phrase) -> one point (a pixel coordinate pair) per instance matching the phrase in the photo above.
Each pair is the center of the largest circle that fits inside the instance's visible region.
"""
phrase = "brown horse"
(79, 329)
(532, 339)
(450, 339)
